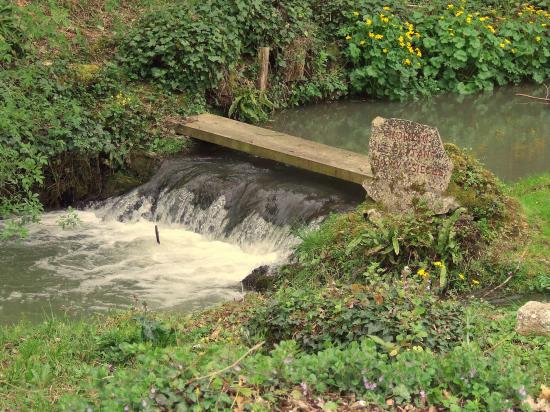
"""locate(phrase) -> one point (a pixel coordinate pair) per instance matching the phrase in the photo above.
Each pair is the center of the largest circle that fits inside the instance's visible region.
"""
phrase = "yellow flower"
(475, 282)
(514, 51)
(538, 39)
(385, 20)
(502, 45)
(490, 28)
(459, 13)
(356, 13)
(387, 8)
(385, 50)
(371, 35)
(507, 41)
(362, 42)
(368, 22)
(468, 20)
(482, 19)
(348, 37)
(461, 276)
(420, 272)
(379, 36)
(437, 264)
(418, 52)
(450, 6)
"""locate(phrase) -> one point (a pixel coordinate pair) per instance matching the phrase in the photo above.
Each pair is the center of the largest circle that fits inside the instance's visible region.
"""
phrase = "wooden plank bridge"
(280, 147)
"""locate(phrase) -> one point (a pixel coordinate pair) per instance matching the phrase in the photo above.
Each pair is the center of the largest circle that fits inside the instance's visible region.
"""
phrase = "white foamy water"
(105, 263)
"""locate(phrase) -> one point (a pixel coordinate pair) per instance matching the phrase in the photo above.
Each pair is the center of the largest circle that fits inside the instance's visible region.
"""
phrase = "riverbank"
(343, 344)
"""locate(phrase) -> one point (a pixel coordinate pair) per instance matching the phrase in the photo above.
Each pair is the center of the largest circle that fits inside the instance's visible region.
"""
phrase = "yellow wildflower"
(461, 276)
(379, 36)
(387, 8)
(490, 28)
(362, 42)
(385, 20)
(348, 37)
(418, 52)
(438, 264)
(468, 20)
(420, 272)
(459, 13)
(475, 282)
(507, 41)
(385, 50)
(502, 45)
(368, 22)
(450, 6)
(356, 13)
(514, 51)
(371, 35)
(538, 39)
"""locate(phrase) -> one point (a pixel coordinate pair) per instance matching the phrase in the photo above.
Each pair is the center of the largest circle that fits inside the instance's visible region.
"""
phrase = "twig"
(211, 375)
(545, 99)
(521, 258)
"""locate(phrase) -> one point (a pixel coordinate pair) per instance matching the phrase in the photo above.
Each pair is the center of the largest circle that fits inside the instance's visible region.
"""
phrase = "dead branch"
(544, 99)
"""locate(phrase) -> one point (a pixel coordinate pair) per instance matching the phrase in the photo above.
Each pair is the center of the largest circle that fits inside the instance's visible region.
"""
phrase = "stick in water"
(157, 234)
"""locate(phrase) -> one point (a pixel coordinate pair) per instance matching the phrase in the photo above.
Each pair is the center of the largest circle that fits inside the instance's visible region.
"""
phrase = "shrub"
(399, 316)
(184, 47)
(451, 48)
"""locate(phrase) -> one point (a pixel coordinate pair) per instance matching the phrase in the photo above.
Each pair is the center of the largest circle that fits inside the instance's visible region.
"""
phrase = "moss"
(476, 188)
(86, 73)
(120, 183)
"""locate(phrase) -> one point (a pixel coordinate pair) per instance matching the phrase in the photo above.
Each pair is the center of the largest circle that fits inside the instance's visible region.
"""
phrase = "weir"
(291, 150)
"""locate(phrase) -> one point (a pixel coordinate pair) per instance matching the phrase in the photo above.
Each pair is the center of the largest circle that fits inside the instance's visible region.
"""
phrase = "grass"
(533, 194)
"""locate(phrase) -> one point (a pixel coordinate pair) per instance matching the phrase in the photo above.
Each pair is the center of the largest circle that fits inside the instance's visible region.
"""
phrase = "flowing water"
(219, 217)
(510, 134)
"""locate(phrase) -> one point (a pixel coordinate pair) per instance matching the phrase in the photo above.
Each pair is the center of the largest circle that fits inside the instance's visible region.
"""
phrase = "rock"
(259, 280)
(533, 318)
(410, 165)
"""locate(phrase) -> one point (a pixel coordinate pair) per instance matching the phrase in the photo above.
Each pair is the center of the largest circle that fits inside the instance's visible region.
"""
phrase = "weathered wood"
(284, 148)
(263, 60)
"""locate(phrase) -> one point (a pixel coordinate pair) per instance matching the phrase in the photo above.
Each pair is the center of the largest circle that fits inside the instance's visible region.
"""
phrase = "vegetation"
(325, 336)
(373, 310)
(81, 92)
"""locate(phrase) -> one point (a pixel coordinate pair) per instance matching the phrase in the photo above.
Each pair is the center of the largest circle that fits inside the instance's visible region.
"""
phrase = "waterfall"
(233, 199)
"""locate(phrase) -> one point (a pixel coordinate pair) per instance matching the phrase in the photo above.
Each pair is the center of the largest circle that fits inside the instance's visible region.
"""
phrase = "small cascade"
(234, 199)
(219, 218)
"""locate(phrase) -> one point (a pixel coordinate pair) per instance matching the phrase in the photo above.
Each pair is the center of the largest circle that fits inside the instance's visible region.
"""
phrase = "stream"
(222, 215)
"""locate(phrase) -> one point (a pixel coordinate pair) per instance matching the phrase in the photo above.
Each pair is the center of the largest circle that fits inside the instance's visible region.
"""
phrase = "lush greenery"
(81, 92)
(366, 313)
(382, 337)
(454, 48)
(147, 362)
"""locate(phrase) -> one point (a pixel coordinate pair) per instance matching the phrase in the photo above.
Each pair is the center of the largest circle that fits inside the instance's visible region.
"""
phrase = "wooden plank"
(281, 147)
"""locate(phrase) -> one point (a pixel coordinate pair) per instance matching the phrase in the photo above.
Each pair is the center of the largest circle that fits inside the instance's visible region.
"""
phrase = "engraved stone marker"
(409, 164)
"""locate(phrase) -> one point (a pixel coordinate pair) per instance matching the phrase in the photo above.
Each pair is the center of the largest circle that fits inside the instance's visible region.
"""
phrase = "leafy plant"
(71, 220)
(398, 316)
(251, 105)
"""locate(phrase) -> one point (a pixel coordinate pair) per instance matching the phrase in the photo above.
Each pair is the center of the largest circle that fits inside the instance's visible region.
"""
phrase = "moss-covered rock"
(475, 187)
(465, 250)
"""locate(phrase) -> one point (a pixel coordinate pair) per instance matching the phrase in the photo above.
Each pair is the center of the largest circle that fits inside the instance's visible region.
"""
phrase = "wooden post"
(263, 60)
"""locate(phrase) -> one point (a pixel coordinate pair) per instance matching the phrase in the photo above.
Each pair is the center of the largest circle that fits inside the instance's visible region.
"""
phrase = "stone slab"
(409, 165)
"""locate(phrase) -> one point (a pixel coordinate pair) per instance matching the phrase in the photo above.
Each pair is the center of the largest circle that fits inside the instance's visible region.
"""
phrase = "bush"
(463, 379)
(451, 48)
(399, 316)
(184, 47)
